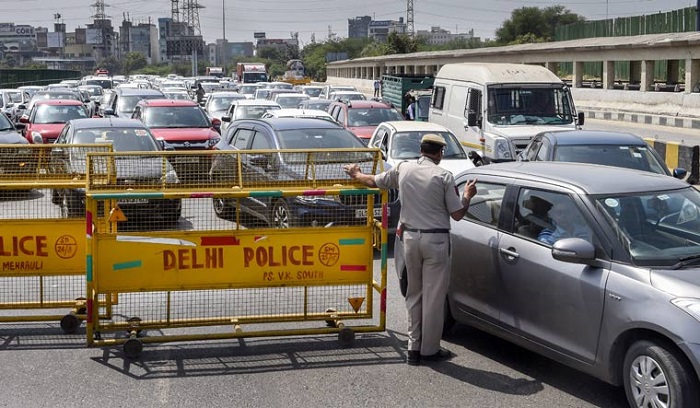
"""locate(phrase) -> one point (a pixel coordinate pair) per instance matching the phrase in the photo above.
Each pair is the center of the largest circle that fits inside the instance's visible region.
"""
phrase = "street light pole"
(223, 43)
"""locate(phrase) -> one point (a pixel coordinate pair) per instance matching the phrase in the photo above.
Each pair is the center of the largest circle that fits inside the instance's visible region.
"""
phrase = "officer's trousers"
(427, 258)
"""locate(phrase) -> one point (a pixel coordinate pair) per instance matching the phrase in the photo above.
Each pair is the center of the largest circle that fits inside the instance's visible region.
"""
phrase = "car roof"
(138, 91)
(415, 126)
(255, 102)
(89, 123)
(583, 177)
(71, 102)
(301, 112)
(594, 137)
(294, 123)
(167, 102)
(366, 104)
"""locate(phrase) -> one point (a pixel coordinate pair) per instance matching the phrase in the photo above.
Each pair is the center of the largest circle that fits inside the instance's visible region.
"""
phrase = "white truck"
(495, 109)
(251, 72)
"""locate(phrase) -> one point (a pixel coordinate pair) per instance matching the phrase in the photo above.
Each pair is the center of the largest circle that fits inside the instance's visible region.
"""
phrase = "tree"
(133, 62)
(111, 64)
(532, 24)
(401, 43)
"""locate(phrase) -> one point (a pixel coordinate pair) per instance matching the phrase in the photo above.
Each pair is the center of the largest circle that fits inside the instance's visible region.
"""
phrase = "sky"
(316, 18)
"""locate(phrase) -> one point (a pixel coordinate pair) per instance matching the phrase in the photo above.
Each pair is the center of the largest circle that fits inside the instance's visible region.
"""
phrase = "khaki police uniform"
(428, 197)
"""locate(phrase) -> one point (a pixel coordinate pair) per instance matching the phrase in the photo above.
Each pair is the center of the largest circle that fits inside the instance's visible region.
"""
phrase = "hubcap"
(648, 383)
(281, 216)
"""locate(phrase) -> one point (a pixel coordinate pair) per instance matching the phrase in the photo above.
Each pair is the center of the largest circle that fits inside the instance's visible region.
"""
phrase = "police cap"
(433, 138)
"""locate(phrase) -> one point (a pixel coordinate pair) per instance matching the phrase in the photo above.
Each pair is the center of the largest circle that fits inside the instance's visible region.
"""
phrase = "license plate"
(363, 213)
(133, 201)
(187, 159)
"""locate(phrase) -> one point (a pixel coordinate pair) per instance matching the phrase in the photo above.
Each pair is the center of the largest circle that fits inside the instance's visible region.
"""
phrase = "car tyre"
(221, 207)
(656, 376)
(281, 216)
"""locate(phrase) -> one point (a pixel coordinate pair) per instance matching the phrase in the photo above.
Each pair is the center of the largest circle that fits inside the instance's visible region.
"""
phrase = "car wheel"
(69, 206)
(281, 215)
(448, 322)
(656, 377)
(221, 208)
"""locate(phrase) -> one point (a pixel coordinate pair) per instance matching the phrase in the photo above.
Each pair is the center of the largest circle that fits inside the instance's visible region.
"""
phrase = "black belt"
(428, 231)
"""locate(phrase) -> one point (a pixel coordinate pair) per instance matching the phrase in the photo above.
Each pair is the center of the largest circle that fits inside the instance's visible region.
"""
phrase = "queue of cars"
(627, 278)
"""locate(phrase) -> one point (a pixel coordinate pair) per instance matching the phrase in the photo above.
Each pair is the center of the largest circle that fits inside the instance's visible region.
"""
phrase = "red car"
(362, 117)
(46, 118)
(180, 125)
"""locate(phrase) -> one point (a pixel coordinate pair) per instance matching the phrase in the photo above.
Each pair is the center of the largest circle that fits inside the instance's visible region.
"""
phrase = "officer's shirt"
(427, 193)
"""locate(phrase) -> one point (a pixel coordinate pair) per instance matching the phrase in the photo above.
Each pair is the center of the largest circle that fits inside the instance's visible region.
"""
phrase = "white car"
(299, 113)
(347, 96)
(289, 100)
(400, 141)
(246, 109)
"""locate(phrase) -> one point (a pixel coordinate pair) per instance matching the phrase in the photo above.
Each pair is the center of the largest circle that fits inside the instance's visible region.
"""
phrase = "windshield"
(104, 83)
(632, 157)
(252, 77)
(126, 104)
(529, 105)
(252, 112)
(59, 113)
(317, 105)
(175, 117)
(5, 123)
(122, 139)
(218, 104)
(371, 116)
(290, 101)
(313, 92)
(658, 229)
(247, 89)
(316, 139)
(406, 145)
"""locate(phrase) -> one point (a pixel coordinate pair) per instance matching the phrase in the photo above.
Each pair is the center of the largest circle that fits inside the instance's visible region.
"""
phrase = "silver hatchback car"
(595, 267)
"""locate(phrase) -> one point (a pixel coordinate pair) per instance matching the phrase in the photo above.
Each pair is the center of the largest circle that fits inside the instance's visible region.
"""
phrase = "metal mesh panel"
(38, 291)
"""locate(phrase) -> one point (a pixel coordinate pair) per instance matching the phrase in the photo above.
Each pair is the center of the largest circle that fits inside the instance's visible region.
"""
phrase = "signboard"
(23, 252)
(258, 35)
(7, 27)
(80, 36)
(242, 260)
(93, 36)
(55, 40)
(24, 31)
(41, 40)
(382, 23)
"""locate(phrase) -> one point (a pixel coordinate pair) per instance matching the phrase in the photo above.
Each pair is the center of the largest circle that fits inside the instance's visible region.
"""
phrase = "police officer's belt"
(428, 231)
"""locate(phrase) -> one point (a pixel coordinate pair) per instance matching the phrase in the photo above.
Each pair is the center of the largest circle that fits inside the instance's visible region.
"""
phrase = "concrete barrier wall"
(679, 155)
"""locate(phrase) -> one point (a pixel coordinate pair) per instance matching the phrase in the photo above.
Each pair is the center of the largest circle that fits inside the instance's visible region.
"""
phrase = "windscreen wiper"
(687, 261)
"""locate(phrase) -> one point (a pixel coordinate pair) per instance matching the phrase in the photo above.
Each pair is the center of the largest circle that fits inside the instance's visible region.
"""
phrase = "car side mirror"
(216, 122)
(108, 112)
(573, 250)
(24, 119)
(22, 107)
(580, 119)
(475, 158)
(226, 118)
(680, 173)
(20, 126)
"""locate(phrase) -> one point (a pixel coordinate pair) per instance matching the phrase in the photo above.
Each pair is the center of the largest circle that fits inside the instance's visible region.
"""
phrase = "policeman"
(428, 198)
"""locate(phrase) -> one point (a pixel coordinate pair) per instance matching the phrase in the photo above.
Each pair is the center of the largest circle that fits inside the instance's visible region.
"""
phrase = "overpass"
(670, 101)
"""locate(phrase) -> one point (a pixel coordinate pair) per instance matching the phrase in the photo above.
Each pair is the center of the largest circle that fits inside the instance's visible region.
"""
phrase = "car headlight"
(170, 177)
(688, 305)
(213, 141)
(35, 134)
(502, 149)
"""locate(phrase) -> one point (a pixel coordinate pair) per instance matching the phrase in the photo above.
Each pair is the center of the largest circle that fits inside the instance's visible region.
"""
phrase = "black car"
(278, 168)
(124, 100)
(15, 161)
(125, 135)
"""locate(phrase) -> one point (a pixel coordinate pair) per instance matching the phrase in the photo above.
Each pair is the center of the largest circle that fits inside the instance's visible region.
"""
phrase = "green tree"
(111, 64)
(532, 24)
(133, 61)
(401, 43)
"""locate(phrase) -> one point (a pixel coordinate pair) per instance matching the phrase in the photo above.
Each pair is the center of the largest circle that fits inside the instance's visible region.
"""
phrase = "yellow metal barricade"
(268, 242)
(42, 244)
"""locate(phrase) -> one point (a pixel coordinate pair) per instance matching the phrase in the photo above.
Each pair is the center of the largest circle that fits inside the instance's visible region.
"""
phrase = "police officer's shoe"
(441, 355)
(413, 357)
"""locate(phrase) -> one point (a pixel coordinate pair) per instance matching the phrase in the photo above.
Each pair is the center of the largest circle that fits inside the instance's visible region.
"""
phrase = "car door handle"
(510, 253)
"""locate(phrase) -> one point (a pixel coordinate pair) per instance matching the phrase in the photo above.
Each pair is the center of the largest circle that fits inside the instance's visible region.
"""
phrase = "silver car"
(595, 267)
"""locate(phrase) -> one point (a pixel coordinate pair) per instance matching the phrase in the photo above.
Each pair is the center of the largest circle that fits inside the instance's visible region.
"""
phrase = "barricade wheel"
(133, 347)
(346, 337)
(70, 323)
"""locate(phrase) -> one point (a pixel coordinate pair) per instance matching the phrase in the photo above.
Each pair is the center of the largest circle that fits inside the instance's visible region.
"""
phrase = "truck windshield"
(529, 105)
(252, 77)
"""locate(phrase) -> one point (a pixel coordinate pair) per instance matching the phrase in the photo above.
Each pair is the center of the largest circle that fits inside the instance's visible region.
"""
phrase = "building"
(358, 27)
(101, 35)
(141, 38)
(380, 30)
(440, 36)
(177, 41)
(227, 50)
(286, 47)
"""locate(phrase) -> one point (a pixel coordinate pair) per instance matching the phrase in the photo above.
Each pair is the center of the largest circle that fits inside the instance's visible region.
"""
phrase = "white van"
(495, 109)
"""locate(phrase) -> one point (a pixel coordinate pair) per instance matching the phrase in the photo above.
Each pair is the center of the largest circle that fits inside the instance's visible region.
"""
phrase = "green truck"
(396, 88)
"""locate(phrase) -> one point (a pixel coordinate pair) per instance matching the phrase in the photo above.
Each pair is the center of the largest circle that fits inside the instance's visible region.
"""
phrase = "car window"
(261, 141)
(485, 206)
(547, 216)
(543, 153)
(241, 138)
(341, 116)
(636, 157)
(531, 153)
